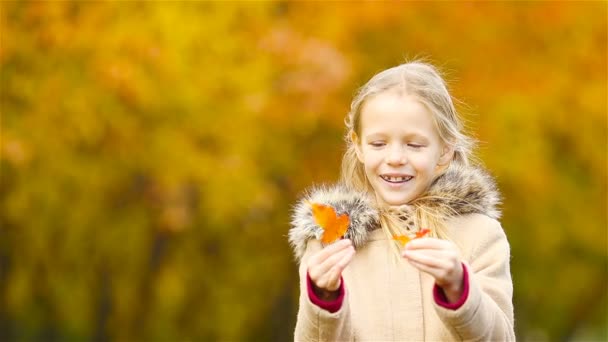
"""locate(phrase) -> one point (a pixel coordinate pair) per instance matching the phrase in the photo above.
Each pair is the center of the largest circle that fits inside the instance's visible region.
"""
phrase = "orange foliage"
(404, 239)
(334, 226)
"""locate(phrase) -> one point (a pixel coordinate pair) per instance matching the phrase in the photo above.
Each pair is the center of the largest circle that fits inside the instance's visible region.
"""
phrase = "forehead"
(394, 113)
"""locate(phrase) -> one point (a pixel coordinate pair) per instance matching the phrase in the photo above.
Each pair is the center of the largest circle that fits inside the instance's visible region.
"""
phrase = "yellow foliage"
(150, 153)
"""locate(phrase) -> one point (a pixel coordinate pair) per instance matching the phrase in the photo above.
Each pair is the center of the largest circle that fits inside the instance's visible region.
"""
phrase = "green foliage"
(150, 152)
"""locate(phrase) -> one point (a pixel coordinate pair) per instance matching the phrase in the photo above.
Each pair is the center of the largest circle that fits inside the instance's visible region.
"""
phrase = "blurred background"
(151, 153)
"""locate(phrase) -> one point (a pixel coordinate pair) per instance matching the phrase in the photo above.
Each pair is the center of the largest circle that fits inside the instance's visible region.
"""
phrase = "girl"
(407, 167)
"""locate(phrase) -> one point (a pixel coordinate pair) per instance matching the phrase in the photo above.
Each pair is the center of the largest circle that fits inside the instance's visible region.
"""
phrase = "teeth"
(398, 179)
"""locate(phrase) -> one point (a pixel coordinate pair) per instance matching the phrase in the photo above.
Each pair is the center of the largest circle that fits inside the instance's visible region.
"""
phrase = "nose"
(396, 156)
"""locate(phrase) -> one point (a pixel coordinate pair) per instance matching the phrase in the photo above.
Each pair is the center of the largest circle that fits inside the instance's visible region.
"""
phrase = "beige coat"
(386, 299)
(389, 300)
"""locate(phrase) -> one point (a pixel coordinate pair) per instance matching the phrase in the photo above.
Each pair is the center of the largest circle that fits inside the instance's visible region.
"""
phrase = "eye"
(377, 143)
(415, 146)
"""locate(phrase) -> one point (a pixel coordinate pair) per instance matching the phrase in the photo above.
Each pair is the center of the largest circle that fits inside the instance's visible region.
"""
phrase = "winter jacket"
(387, 299)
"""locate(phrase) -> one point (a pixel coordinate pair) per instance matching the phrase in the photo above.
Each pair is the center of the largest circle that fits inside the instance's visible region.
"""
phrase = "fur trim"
(460, 190)
(363, 216)
(465, 190)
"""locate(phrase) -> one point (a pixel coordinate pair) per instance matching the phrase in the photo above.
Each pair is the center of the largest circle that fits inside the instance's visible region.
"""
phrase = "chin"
(395, 201)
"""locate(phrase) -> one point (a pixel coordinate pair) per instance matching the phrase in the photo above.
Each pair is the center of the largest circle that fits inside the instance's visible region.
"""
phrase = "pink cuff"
(442, 300)
(331, 306)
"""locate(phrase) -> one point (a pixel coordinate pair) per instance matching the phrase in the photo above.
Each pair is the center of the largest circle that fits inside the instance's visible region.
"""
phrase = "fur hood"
(460, 190)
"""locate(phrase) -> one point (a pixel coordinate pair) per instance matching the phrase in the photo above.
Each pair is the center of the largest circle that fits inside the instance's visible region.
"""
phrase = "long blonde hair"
(423, 81)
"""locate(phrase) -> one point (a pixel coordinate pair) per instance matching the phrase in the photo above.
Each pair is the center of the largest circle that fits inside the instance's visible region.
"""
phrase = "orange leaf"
(334, 226)
(422, 233)
(403, 239)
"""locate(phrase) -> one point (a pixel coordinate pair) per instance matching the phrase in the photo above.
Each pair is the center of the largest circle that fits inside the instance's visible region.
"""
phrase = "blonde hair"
(423, 81)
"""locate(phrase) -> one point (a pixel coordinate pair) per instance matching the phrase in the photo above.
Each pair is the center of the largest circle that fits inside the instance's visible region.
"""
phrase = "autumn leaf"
(334, 226)
(422, 232)
(403, 239)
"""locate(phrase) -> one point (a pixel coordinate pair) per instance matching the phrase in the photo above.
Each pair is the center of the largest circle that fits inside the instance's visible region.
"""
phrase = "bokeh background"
(151, 153)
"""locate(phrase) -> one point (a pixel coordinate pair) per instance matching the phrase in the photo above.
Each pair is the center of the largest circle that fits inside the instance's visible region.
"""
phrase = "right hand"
(325, 267)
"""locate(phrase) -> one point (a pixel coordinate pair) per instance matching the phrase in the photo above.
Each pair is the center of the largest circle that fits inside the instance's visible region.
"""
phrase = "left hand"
(440, 259)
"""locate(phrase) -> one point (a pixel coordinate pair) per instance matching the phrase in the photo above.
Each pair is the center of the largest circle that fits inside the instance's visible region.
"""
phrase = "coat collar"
(460, 190)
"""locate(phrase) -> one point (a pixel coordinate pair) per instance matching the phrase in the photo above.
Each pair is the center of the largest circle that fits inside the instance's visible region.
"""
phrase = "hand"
(440, 259)
(326, 266)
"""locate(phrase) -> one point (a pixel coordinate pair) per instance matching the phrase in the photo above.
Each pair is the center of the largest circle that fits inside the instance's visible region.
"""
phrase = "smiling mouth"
(396, 179)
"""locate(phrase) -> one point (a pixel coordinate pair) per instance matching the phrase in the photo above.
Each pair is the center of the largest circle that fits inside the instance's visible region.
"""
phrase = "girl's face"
(400, 147)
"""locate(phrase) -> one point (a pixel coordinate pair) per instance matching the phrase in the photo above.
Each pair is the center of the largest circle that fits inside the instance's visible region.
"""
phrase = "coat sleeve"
(315, 323)
(487, 314)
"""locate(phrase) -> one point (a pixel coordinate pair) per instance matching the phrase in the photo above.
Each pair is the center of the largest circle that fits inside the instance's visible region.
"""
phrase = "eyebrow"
(408, 136)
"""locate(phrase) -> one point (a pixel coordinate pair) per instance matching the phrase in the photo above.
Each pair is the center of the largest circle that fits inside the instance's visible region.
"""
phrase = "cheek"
(372, 159)
(425, 163)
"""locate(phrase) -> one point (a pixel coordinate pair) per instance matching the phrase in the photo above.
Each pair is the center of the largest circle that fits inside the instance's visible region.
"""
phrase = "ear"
(355, 140)
(447, 154)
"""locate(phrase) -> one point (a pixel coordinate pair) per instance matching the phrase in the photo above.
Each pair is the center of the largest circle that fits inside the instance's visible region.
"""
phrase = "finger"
(429, 258)
(442, 276)
(334, 247)
(333, 279)
(345, 260)
(329, 250)
(336, 270)
(440, 257)
(336, 259)
(427, 243)
(318, 270)
(434, 272)
(334, 274)
(433, 253)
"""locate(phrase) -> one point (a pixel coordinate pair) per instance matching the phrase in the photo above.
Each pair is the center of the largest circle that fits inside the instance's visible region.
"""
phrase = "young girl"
(407, 167)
